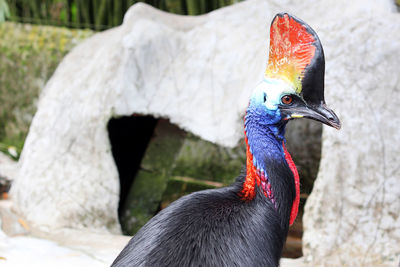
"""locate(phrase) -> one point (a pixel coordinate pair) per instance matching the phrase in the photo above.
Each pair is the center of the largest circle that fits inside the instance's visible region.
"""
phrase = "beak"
(319, 113)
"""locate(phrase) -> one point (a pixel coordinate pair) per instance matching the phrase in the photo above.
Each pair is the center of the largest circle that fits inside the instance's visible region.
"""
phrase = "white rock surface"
(72, 248)
(41, 252)
(199, 73)
(352, 217)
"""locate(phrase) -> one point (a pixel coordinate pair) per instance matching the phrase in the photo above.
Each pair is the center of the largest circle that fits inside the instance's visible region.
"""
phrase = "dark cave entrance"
(129, 138)
(144, 150)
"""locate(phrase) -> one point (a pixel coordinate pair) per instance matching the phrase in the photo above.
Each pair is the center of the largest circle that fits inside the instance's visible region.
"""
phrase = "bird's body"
(220, 227)
(209, 228)
(246, 223)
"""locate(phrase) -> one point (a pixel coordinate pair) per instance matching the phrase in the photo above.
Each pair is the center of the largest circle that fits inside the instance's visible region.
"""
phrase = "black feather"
(217, 228)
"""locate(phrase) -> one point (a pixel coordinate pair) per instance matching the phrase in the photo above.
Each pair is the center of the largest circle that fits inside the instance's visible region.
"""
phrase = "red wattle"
(296, 202)
(249, 191)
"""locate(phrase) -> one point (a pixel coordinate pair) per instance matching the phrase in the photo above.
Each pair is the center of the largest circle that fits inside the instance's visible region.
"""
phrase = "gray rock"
(352, 217)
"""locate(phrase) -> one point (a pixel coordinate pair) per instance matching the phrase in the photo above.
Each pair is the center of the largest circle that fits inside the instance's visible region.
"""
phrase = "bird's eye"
(286, 99)
(265, 97)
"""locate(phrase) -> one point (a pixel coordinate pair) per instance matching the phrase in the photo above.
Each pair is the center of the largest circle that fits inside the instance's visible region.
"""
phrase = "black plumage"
(216, 228)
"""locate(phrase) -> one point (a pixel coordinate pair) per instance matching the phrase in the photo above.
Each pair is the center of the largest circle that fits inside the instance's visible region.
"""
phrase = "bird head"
(293, 86)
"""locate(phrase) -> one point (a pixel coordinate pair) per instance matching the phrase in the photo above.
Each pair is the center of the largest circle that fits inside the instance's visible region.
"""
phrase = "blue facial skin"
(265, 127)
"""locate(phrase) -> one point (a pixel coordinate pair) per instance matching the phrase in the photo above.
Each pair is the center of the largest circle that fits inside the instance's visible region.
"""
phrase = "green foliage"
(4, 11)
(28, 57)
(99, 14)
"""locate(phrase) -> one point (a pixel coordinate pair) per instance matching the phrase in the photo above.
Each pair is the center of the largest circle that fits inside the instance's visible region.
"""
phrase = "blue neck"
(265, 135)
(265, 138)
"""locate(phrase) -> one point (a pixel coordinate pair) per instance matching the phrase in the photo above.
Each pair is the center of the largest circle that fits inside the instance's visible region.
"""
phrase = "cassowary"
(246, 223)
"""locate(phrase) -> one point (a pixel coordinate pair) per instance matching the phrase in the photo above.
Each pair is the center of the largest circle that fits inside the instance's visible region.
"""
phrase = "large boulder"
(199, 72)
(352, 217)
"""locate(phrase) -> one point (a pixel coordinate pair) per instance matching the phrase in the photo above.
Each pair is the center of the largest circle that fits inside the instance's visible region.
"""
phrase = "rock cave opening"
(129, 138)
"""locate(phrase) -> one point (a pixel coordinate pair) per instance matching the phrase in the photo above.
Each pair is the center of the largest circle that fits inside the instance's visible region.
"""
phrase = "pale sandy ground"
(66, 248)
(95, 250)
(31, 251)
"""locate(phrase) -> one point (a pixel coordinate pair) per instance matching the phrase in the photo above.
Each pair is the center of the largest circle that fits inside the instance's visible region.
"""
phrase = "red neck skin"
(296, 202)
(256, 177)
